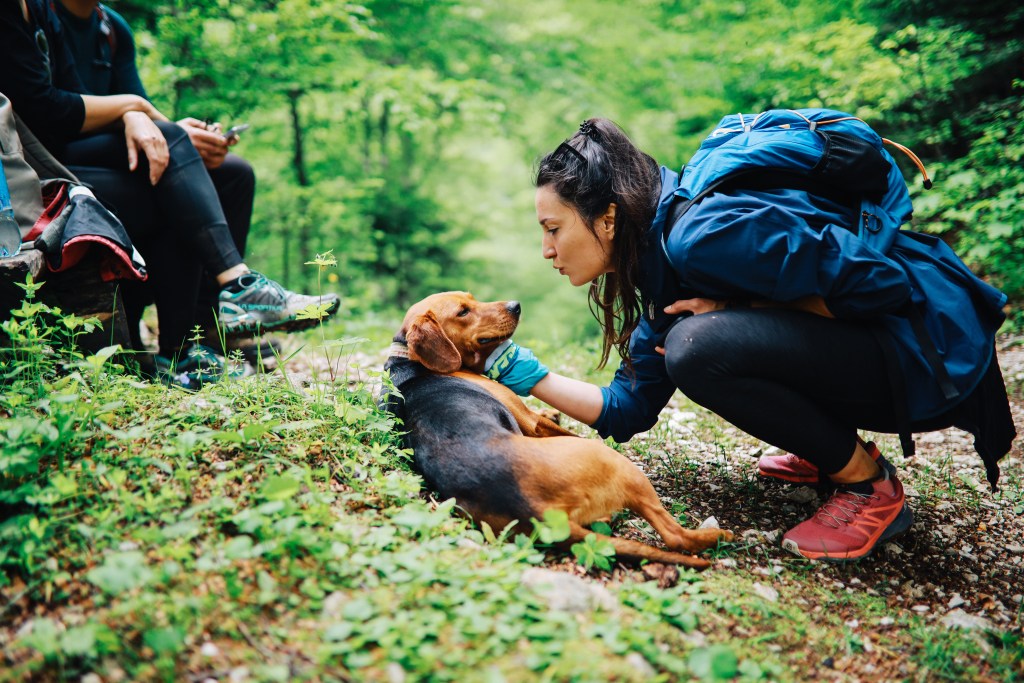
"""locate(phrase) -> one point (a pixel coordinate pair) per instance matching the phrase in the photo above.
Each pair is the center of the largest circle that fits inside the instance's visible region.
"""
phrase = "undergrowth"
(260, 530)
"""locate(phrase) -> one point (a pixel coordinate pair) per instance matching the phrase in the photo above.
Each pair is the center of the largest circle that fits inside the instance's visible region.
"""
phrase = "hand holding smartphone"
(234, 131)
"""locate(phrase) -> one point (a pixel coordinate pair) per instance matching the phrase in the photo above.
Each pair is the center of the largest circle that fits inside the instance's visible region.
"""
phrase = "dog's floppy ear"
(429, 345)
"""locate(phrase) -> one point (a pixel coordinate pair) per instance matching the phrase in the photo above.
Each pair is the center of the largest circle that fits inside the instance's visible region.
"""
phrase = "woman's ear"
(606, 223)
(429, 345)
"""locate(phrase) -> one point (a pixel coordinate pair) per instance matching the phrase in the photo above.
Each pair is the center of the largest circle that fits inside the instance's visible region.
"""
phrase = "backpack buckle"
(870, 222)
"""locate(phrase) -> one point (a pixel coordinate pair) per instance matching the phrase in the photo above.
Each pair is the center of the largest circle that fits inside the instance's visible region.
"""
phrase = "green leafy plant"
(554, 528)
(33, 331)
(594, 552)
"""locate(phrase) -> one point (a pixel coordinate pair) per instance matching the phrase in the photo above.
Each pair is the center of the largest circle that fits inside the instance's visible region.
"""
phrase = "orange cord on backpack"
(913, 157)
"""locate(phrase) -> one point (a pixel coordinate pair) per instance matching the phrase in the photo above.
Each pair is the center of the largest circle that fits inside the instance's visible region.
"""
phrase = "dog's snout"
(514, 308)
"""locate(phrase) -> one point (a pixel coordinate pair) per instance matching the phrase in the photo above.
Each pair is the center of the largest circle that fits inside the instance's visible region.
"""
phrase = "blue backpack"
(824, 152)
(838, 156)
(818, 150)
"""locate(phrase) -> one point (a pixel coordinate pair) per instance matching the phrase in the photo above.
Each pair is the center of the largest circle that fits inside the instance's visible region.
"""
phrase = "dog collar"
(399, 349)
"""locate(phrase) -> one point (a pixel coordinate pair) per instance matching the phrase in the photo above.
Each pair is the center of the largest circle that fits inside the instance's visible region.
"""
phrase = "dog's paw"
(697, 540)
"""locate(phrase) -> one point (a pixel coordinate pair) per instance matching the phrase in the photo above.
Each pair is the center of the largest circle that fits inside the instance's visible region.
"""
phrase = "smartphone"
(235, 131)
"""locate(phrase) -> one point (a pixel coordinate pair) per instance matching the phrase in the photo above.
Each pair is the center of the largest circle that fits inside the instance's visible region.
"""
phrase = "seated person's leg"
(187, 199)
(235, 184)
(184, 194)
(173, 270)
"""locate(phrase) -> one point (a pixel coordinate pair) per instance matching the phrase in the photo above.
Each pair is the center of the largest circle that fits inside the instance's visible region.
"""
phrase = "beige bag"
(27, 167)
(22, 180)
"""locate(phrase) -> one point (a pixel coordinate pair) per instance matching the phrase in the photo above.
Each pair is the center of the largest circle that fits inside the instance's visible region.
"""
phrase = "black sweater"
(37, 73)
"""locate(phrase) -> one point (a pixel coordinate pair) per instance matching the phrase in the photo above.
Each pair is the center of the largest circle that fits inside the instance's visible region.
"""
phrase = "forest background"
(403, 134)
(271, 528)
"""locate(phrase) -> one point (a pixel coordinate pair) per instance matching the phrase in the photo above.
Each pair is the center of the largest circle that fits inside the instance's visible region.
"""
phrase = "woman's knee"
(692, 351)
(179, 145)
(237, 172)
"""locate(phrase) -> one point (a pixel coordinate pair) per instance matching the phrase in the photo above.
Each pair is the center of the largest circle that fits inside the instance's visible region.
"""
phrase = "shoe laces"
(842, 508)
(264, 281)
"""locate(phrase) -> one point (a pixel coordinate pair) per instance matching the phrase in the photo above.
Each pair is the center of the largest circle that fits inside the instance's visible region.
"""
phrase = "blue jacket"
(781, 245)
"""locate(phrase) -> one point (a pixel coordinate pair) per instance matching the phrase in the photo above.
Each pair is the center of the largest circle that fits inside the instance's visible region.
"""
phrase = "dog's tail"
(626, 549)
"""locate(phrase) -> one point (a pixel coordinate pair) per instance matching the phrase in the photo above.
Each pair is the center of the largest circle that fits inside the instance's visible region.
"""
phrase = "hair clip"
(587, 128)
(566, 148)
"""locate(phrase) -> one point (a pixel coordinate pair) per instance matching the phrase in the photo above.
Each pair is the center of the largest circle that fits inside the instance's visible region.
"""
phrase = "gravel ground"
(962, 561)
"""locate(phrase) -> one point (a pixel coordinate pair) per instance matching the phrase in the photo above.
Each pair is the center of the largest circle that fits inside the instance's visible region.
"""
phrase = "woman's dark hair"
(598, 166)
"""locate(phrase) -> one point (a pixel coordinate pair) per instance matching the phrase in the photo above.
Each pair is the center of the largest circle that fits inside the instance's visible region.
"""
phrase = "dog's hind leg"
(634, 550)
(644, 501)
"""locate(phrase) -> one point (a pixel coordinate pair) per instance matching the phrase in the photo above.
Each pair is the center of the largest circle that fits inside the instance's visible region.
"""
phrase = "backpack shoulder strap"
(107, 28)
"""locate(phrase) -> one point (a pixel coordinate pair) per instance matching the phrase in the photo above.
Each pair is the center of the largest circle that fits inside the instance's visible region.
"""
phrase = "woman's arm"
(579, 400)
(102, 111)
(809, 304)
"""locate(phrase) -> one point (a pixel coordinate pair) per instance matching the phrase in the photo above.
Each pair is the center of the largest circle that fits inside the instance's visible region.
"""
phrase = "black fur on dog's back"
(459, 437)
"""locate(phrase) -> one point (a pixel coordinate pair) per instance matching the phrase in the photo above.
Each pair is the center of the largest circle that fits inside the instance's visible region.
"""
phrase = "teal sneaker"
(264, 305)
(195, 367)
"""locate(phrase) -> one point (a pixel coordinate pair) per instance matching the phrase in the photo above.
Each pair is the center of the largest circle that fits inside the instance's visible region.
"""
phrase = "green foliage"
(554, 528)
(393, 142)
(144, 528)
(594, 552)
(981, 205)
(715, 663)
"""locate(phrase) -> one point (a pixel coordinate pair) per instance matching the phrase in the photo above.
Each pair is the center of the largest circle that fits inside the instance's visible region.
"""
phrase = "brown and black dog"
(474, 440)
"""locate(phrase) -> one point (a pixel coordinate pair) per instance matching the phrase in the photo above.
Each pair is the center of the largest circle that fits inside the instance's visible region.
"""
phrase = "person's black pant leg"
(174, 272)
(190, 231)
(235, 182)
(801, 382)
(184, 196)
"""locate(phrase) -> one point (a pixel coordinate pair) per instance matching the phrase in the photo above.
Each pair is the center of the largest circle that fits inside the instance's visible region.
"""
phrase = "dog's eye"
(464, 312)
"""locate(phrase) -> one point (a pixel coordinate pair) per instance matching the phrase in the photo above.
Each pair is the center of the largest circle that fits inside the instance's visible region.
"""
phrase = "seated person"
(103, 47)
(154, 166)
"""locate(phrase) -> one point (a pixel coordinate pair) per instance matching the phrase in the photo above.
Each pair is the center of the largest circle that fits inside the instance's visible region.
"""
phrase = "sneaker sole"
(903, 521)
(290, 325)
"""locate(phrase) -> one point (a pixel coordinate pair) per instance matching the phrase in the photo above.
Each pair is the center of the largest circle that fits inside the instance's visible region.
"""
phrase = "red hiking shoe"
(852, 522)
(796, 470)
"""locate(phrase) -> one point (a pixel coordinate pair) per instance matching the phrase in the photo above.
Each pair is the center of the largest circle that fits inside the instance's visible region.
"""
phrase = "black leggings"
(798, 381)
(178, 225)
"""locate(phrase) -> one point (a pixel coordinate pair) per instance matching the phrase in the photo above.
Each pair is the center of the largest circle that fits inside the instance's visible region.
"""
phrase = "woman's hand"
(516, 367)
(695, 306)
(208, 140)
(140, 133)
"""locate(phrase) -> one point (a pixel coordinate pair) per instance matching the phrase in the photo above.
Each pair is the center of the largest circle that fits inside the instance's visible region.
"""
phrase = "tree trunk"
(302, 177)
(286, 252)
(367, 136)
(298, 156)
(385, 128)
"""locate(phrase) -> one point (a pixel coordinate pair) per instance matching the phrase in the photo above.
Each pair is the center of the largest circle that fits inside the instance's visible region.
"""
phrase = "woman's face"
(575, 251)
